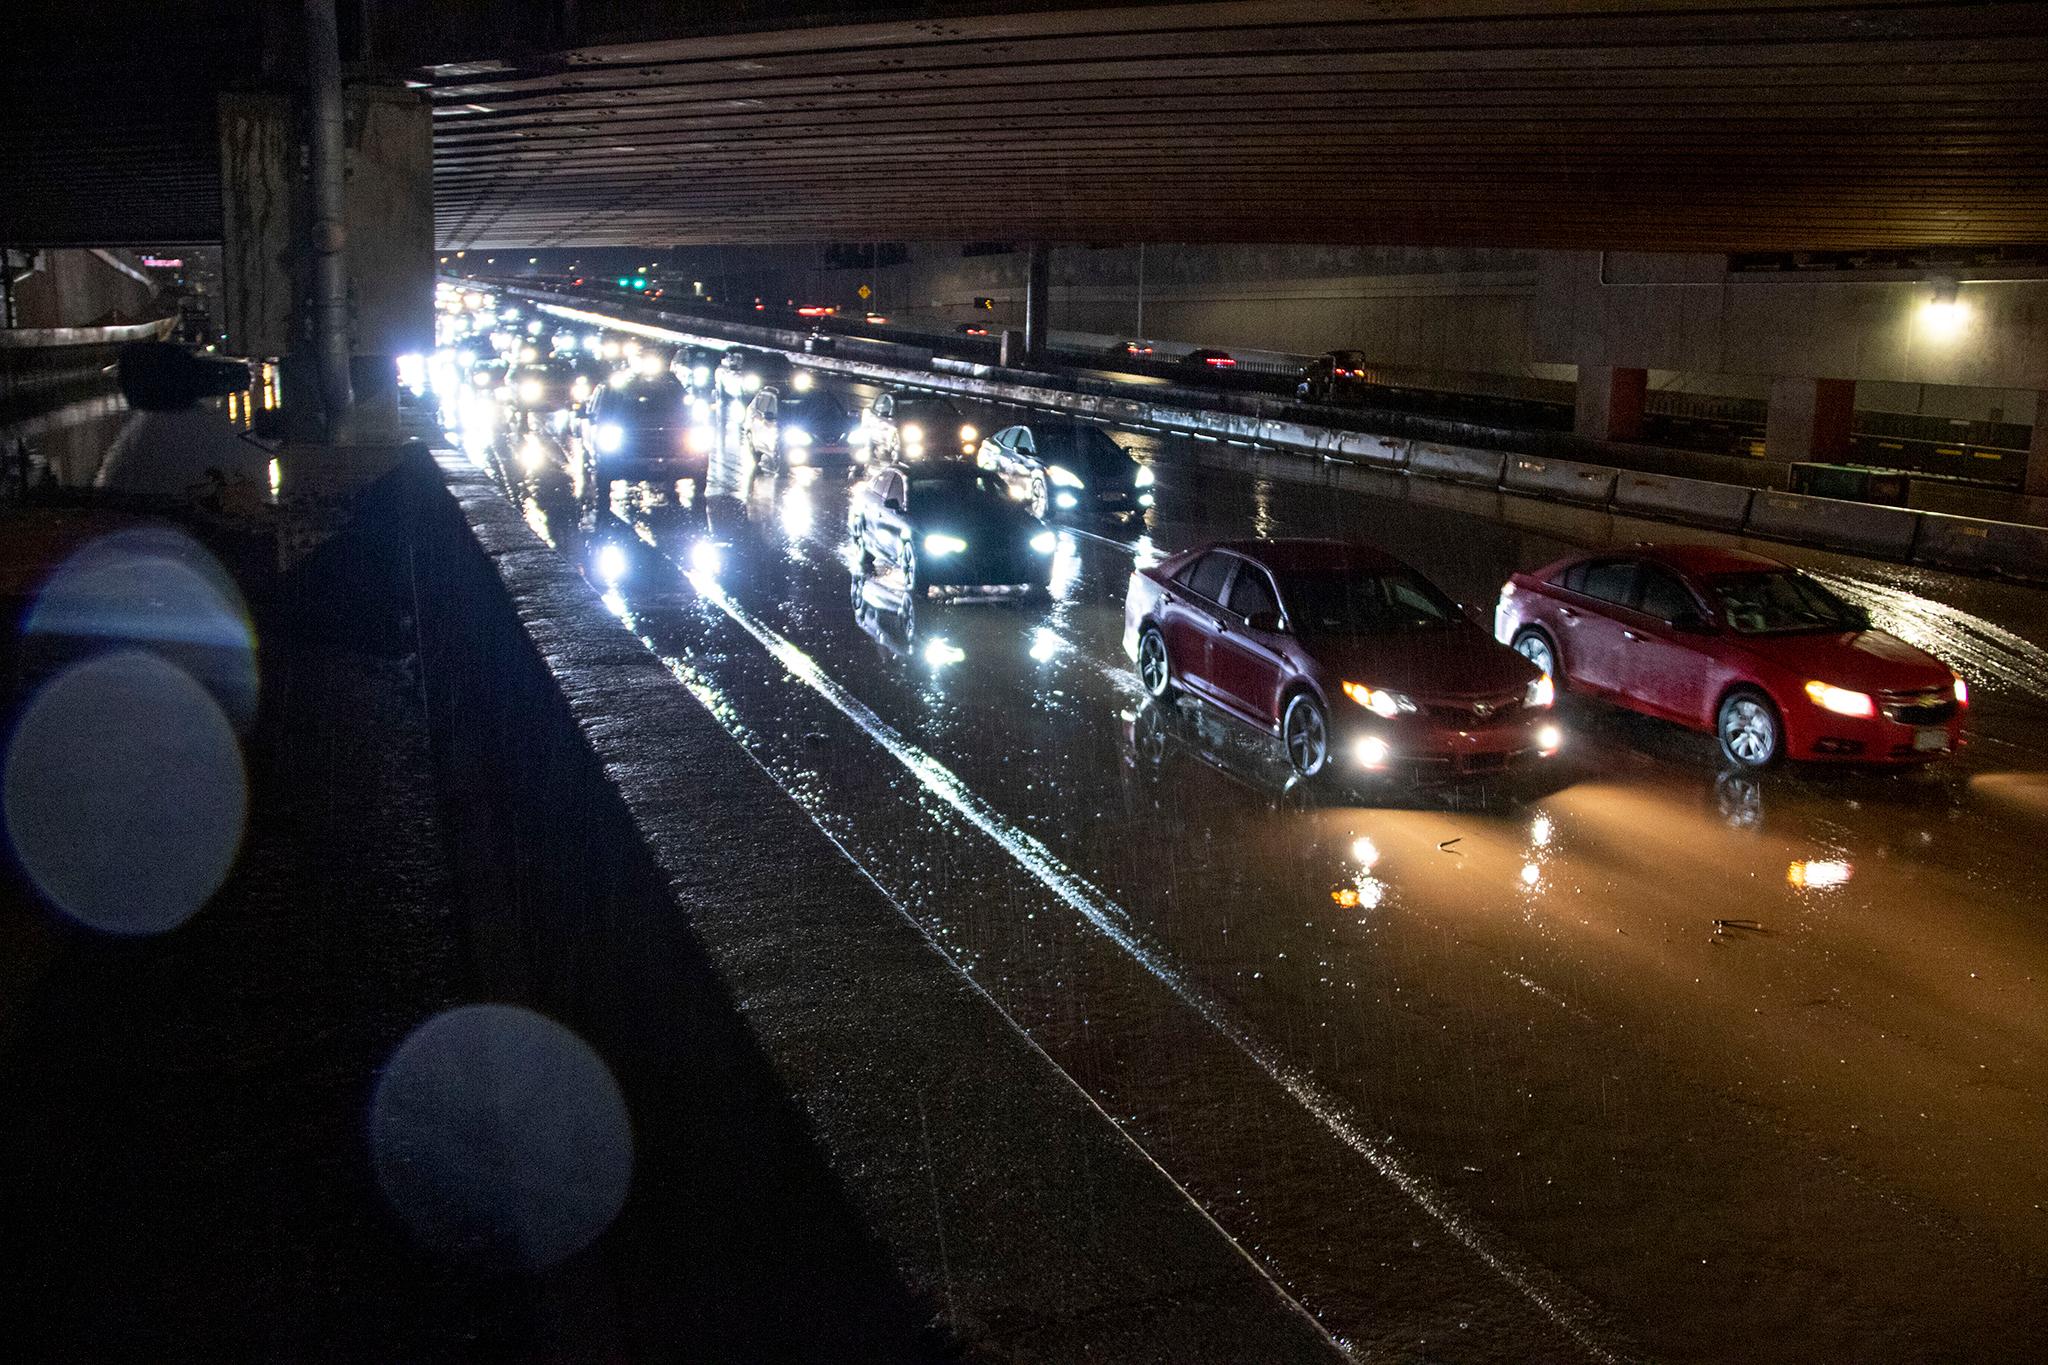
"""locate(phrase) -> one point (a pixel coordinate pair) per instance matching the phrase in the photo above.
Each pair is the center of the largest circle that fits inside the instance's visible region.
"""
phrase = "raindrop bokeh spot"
(501, 1138)
(124, 794)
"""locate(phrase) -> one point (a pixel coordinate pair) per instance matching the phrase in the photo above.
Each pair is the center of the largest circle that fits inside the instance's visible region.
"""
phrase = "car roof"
(1310, 556)
(1706, 561)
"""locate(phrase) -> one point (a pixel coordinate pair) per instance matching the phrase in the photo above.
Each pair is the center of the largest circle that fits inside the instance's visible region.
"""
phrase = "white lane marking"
(1561, 1305)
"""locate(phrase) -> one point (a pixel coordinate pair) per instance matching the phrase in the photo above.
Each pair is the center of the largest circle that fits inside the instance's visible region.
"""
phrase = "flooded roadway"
(1635, 1060)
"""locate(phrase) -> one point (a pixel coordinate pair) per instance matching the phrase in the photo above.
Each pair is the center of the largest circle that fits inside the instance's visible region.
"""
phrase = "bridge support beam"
(1810, 419)
(1610, 402)
(1038, 300)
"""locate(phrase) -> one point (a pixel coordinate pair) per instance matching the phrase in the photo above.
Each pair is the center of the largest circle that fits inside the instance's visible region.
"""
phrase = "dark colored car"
(948, 525)
(1766, 658)
(743, 372)
(541, 387)
(1127, 350)
(1208, 359)
(1332, 375)
(972, 329)
(788, 428)
(1351, 658)
(644, 429)
(697, 368)
(587, 374)
(912, 426)
(1067, 467)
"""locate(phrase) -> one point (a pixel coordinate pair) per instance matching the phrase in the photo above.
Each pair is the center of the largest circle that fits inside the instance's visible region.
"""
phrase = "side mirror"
(1692, 623)
(1268, 621)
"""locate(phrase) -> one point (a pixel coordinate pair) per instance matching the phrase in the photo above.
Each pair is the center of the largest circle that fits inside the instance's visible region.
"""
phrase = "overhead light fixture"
(1943, 314)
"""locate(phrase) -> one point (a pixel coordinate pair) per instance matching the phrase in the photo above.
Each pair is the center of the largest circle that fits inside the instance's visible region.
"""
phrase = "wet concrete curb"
(1725, 493)
(1000, 1199)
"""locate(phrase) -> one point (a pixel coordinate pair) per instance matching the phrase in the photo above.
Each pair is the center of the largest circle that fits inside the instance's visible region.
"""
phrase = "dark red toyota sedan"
(1355, 661)
(1746, 648)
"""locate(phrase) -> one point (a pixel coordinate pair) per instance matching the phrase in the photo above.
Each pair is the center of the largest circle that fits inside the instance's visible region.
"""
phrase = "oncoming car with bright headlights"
(644, 428)
(1769, 660)
(947, 524)
(914, 426)
(1355, 662)
(786, 429)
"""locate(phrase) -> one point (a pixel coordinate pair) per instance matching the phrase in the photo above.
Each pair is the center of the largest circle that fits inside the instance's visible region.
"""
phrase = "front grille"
(1479, 711)
(1930, 706)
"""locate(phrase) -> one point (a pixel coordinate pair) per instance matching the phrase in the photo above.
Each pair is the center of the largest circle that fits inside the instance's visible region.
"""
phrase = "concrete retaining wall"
(1834, 524)
(811, 1065)
(1697, 502)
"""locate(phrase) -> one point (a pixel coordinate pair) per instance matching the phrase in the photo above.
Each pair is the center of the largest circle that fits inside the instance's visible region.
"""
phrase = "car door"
(1190, 616)
(889, 518)
(1022, 455)
(1590, 633)
(881, 424)
(1665, 671)
(1245, 662)
(760, 422)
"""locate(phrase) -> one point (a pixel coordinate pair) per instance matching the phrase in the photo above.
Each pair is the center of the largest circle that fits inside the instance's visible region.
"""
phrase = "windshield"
(1781, 602)
(959, 484)
(1088, 447)
(818, 411)
(1364, 604)
(659, 404)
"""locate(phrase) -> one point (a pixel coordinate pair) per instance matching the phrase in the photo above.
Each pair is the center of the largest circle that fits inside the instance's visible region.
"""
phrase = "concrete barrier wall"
(1972, 544)
(1696, 502)
(1738, 501)
(1564, 479)
(1834, 524)
(835, 1100)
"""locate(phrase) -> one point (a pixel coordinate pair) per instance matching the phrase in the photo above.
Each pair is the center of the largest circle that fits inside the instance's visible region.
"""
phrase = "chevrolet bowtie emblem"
(1482, 709)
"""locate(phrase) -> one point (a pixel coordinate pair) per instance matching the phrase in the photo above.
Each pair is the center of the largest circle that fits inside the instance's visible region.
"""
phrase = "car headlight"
(580, 390)
(1064, 477)
(1379, 701)
(795, 436)
(482, 379)
(1962, 692)
(801, 381)
(937, 544)
(609, 436)
(913, 434)
(752, 383)
(701, 375)
(967, 431)
(1146, 478)
(1045, 542)
(1542, 692)
(530, 391)
(1841, 700)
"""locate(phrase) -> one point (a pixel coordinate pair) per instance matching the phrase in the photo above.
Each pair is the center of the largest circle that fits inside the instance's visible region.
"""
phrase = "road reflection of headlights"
(913, 434)
(609, 436)
(530, 391)
(580, 390)
(1045, 542)
(939, 653)
(611, 563)
(1062, 477)
(1145, 478)
(939, 544)
(706, 558)
(1549, 740)
(1372, 752)
(801, 381)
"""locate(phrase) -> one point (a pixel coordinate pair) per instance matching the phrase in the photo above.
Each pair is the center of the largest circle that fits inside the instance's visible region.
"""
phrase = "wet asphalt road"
(1475, 1073)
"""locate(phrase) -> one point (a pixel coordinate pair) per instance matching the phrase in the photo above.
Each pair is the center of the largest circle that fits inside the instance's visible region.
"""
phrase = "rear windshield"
(1782, 602)
(1364, 604)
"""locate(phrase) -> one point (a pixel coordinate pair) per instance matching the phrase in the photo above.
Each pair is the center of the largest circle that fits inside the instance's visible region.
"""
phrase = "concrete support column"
(1610, 402)
(1038, 300)
(1810, 419)
(2037, 450)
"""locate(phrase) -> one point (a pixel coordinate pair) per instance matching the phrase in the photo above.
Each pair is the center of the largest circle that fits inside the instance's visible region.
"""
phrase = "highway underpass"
(1639, 1058)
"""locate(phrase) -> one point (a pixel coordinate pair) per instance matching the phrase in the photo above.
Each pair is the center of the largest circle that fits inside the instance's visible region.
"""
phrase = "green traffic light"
(624, 281)
(639, 281)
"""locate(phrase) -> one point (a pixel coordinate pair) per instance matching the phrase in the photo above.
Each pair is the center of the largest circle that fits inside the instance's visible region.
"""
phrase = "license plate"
(1930, 737)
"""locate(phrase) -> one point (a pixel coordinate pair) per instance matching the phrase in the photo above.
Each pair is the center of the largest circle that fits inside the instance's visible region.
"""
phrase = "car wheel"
(1535, 646)
(1039, 499)
(1155, 670)
(1305, 730)
(1751, 734)
(907, 562)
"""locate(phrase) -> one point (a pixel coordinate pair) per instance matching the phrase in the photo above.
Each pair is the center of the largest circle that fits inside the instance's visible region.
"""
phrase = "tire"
(1040, 500)
(1155, 666)
(1751, 732)
(1305, 732)
(1535, 645)
(907, 563)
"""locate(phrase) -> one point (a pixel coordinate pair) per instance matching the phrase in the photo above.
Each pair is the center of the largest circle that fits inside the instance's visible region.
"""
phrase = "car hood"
(1446, 665)
(983, 521)
(1864, 660)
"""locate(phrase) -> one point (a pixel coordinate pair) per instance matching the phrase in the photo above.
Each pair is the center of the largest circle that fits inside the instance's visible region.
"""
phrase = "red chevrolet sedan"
(1351, 658)
(1741, 646)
